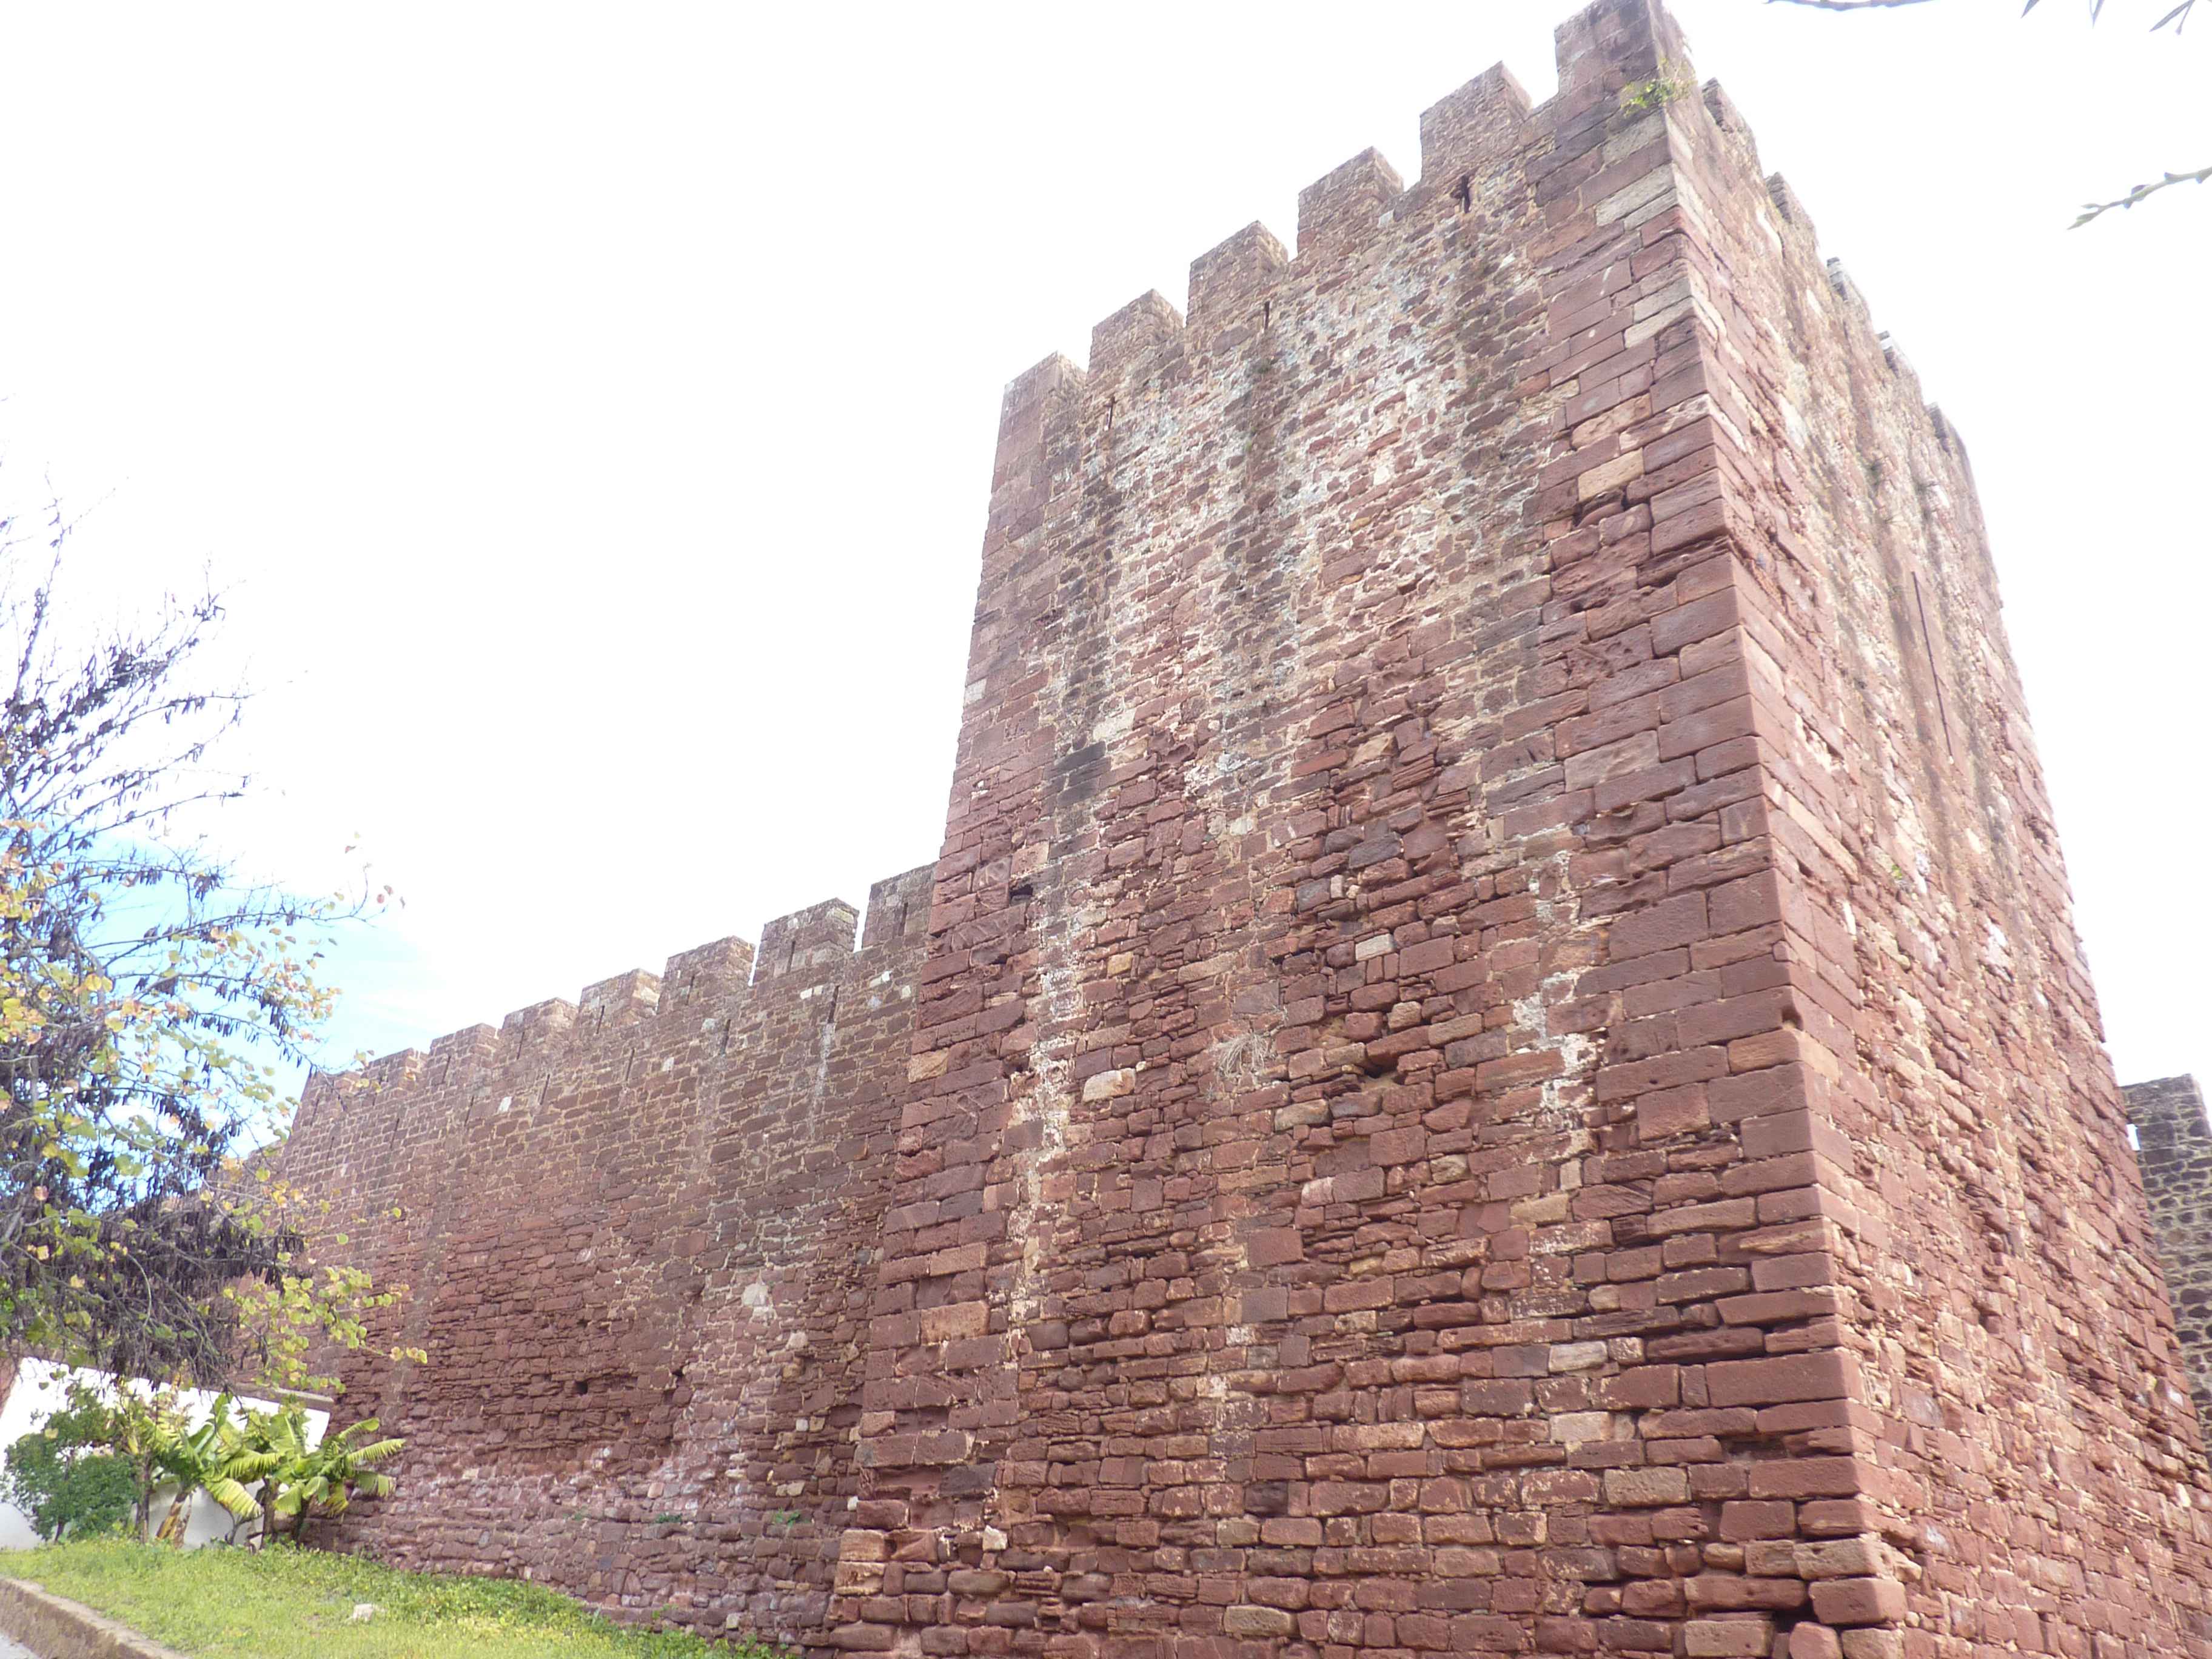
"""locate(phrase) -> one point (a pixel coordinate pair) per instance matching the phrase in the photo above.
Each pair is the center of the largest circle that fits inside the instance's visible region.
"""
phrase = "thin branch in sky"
(2179, 17)
(1852, 5)
(2091, 210)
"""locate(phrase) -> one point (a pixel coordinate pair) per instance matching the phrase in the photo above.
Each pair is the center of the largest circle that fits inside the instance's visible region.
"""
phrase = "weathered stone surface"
(52, 1627)
(1500, 1063)
(2174, 1151)
(640, 1239)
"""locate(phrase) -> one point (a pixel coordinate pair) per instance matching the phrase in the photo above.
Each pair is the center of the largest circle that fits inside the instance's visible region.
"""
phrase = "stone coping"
(54, 1627)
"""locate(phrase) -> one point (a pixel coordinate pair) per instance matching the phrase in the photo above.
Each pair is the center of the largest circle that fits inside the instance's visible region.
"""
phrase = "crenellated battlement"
(1339, 208)
(899, 907)
(806, 947)
(1485, 146)
(1791, 222)
(1469, 131)
(1228, 285)
(1466, 138)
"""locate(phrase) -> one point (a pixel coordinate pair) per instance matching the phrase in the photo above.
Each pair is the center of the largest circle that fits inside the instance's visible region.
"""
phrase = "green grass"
(284, 1603)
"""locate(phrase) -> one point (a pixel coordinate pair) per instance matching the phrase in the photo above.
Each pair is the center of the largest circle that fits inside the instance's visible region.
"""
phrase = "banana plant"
(217, 1459)
(145, 1429)
(304, 1484)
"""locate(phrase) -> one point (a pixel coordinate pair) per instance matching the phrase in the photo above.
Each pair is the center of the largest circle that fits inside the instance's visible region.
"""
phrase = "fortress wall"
(2033, 1465)
(1495, 1058)
(638, 1235)
(1360, 984)
(2175, 1158)
(1435, 1129)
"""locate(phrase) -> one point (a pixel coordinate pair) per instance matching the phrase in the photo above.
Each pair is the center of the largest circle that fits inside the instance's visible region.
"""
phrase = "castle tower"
(1503, 1064)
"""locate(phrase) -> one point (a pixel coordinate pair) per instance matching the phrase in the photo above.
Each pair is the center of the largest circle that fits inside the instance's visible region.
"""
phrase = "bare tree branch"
(2091, 210)
(2178, 16)
(1846, 5)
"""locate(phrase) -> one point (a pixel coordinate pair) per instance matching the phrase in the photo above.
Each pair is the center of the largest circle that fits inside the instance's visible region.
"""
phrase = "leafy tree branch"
(149, 995)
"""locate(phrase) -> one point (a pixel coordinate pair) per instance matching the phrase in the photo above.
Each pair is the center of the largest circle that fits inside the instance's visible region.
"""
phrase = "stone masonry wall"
(2175, 1153)
(1504, 1066)
(639, 1235)
(2030, 1466)
(1496, 1060)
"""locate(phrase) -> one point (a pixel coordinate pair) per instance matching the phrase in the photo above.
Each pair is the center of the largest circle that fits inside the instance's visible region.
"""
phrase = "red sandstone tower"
(1504, 1066)
(1497, 1061)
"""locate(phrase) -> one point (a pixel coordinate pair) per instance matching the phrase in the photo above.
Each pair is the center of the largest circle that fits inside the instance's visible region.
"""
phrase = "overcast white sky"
(590, 410)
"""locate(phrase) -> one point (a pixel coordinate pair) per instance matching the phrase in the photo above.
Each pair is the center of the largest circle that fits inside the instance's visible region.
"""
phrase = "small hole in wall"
(1021, 892)
(2135, 1138)
(1464, 194)
(581, 1386)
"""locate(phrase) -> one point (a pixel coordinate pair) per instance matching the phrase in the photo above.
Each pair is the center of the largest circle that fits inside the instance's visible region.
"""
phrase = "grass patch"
(286, 1603)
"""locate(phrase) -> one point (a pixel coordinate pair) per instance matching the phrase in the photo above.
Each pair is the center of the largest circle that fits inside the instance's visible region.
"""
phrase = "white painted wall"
(41, 1388)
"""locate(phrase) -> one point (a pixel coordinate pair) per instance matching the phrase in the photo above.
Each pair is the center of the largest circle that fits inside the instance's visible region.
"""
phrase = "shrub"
(71, 1488)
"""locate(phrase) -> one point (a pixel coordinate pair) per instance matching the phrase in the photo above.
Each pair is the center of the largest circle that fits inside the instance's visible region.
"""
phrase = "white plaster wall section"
(41, 1388)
